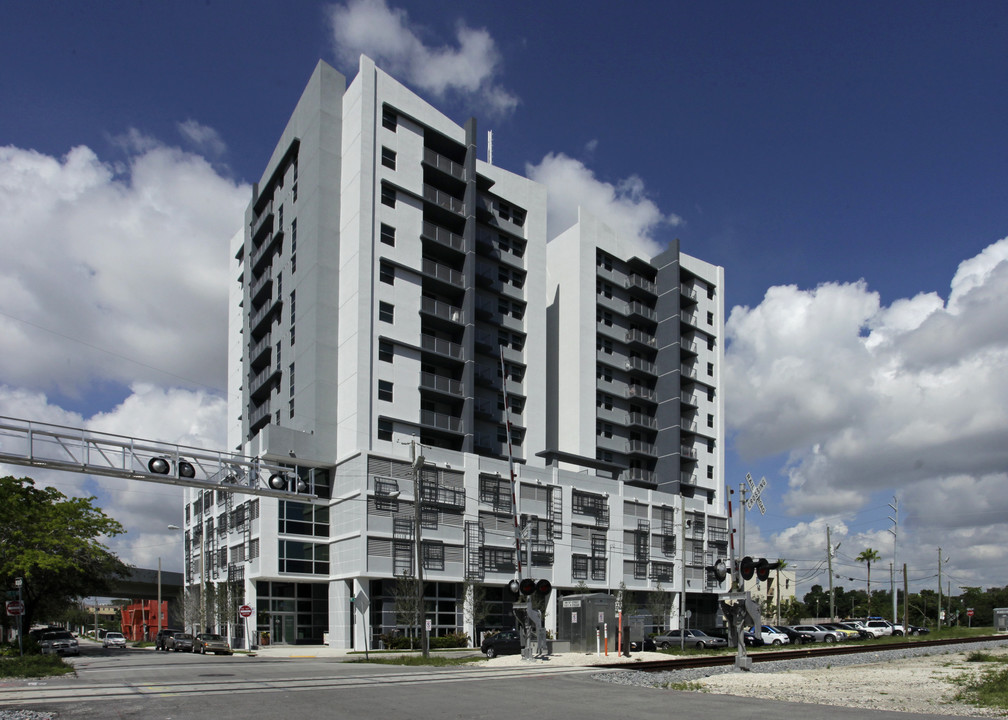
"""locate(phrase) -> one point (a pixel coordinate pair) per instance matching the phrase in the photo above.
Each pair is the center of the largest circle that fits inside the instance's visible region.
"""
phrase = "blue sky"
(846, 164)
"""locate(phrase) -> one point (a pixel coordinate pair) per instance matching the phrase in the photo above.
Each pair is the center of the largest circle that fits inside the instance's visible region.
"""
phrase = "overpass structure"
(57, 447)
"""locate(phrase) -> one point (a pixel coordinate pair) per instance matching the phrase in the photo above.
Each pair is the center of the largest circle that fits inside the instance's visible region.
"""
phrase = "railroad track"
(798, 652)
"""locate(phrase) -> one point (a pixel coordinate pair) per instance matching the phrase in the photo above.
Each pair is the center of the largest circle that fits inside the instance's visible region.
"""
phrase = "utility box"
(583, 618)
(1000, 619)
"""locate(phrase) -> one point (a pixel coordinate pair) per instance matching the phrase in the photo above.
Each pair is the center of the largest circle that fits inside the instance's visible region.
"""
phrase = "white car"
(114, 640)
(886, 627)
(773, 636)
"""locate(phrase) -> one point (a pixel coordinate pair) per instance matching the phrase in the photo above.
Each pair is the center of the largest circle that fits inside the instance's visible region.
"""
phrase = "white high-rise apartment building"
(388, 287)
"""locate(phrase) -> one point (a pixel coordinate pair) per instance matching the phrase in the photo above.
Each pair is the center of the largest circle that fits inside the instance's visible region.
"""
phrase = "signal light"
(513, 586)
(747, 567)
(543, 586)
(158, 466)
(720, 570)
(762, 569)
(527, 586)
(277, 481)
(186, 470)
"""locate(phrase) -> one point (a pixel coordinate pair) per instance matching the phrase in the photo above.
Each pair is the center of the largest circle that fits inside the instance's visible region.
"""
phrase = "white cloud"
(625, 206)
(114, 277)
(202, 137)
(469, 68)
(867, 401)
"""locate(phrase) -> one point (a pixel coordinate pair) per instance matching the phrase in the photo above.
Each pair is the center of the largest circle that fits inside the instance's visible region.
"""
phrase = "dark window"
(388, 196)
(710, 369)
(386, 351)
(384, 429)
(388, 157)
(385, 390)
(386, 312)
(389, 118)
(710, 315)
(386, 273)
(388, 234)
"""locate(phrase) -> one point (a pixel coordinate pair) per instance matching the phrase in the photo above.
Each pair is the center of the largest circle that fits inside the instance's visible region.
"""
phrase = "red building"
(140, 620)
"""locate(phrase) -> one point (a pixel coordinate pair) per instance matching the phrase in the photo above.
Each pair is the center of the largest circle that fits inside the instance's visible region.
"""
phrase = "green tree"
(868, 556)
(52, 543)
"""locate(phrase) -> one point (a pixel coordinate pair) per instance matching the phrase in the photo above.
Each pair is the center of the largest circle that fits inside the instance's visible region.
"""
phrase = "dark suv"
(161, 640)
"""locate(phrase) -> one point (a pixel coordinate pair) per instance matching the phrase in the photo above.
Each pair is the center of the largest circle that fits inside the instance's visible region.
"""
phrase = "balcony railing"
(689, 318)
(440, 346)
(641, 420)
(641, 283)
(435, 159)
(441, 272)
(639, 447)
(440, 421)
(641, 393)
(443, 310)
(688, 452)
(641, 365)
(641, 338)
(433, 381)
(442, 236)
(443, 199)
(635, 307)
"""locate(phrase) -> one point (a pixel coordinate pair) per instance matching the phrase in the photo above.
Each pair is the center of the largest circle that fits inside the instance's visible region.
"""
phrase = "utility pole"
(939, 589)
(829, 565)
(895, 528)
(418, 463)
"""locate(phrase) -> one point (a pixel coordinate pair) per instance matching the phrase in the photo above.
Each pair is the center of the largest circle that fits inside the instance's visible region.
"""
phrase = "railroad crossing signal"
(756, 490)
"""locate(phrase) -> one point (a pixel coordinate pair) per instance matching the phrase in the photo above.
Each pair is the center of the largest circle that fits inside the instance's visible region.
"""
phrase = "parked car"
(883, 626)
(862, 632)
(114, 640)
(59, 642)
(843, 633)
(506, 642)
(917, 630)
(212, 643)
(750, 638)
(180, 642)
(690, 638)
(161, 639)
(645, 645)
(795, 636)
(774, 636)
(818, 633)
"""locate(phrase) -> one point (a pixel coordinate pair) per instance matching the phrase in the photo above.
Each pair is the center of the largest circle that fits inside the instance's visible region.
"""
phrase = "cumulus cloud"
(625, 206)
(202, 137)
(468, 68)
(865, 400)
(113, 275)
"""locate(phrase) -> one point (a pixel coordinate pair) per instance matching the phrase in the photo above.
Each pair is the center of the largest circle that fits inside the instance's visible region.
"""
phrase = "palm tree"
(866, 556)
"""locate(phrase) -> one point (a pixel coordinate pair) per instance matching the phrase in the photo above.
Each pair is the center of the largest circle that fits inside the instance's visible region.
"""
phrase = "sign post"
(246, 612)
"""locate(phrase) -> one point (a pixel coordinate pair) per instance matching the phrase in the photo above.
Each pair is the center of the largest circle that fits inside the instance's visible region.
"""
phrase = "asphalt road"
(127, 684)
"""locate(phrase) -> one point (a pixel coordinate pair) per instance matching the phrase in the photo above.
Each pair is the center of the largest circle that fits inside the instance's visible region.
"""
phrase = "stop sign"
(969, 612)
(15, 607)
(245, 611)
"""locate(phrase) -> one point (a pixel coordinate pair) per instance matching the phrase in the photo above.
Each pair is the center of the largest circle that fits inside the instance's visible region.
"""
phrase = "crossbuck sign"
(756, 490)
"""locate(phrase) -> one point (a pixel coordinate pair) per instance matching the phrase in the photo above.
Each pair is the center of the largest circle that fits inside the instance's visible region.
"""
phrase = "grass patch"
(31, 666)
(687, 686)
(418, 660)
(990, 689)
(984, 656)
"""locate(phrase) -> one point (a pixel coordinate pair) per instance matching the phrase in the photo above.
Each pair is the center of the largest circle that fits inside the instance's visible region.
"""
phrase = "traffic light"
(527, 586)
(747, 567)
(543, 586)
(763, 568)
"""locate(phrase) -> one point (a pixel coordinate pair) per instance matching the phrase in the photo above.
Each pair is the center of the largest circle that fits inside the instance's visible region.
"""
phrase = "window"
(433, 555)
(710, 472)
(388, 196)
(290, 370)
(386, 351)
(710, 420)
(385, 430)
(290, 408)
(303, 557)
(710, 369)
(386, 273)
(710, 292)
(388, 157)
(386, 312)
(293, 299)
(579, 567)
(710, 344)
(710, 318)
(388, 234)
(389, 118)
(385, 390)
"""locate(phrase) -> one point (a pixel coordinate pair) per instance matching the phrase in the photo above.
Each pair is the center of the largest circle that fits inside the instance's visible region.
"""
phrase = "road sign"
(245, 611)
(15, 607)
(757, 490)
(969, 612)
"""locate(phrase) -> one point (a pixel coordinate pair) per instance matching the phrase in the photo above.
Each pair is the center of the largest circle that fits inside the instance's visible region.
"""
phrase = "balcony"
(443, 200)
(441, 272)
(640, 392)
(636, 419)
(640, 365)
(689, 318)
(637, 476)
(260, 384)
(687, 478)
(441, 346)
(689, 399)
(259, 350)
(439, 161)
(688, 372)
(262, 224)
(639, 447)
(639, 284)
(688, 347)
(688, 292)
(440, 421)
(259, 417)
(635, 308)
(259, 287)
(264, 253)
(443, 310)
(441, 384)
(687, 452)
(262, 319)
(639, 337)
(430, 231)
